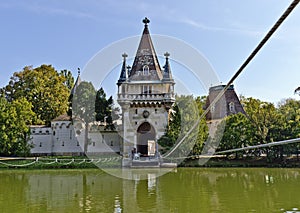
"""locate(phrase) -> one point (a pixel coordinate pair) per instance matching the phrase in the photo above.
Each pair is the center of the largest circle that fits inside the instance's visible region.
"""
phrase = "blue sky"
(67, 33)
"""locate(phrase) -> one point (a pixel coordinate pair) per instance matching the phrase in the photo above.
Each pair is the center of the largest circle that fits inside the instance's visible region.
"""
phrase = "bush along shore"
(262, 161)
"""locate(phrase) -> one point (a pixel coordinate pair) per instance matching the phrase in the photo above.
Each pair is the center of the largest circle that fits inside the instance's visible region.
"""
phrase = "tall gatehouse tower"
(145, 94)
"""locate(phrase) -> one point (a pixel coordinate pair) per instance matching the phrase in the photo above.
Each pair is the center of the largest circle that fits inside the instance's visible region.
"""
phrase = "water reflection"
(187, 190)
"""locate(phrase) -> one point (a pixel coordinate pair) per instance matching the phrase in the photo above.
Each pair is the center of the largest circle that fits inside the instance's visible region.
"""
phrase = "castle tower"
(145, 94)
(227, 105)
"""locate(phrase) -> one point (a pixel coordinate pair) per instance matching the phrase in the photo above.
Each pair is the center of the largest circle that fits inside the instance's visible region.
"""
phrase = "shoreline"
(69, 162)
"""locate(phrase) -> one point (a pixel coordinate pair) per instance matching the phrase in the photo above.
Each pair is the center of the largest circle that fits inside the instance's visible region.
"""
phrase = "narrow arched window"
(231, 107)
(145, 70)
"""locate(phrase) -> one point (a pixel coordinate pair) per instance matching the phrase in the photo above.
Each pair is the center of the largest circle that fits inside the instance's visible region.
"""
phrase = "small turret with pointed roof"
(77, 82)
(167, 69)
(146, 65)
(124, 73)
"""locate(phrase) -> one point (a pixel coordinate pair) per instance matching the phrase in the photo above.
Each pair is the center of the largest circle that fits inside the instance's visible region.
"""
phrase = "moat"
(182, 190)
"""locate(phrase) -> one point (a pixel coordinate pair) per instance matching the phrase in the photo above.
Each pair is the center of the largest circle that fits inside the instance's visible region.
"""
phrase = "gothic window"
(53, 132)
(146, 89)
(70, 134)
(145, 70)
(40, 144)
(111, 143)
(231, 107)
(63, 143)
(136, 111)
(155, 111)
(94, 143)
(150, 89)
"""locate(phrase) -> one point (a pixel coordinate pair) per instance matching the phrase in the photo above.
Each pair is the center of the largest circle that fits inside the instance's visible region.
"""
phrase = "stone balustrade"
(146, 97)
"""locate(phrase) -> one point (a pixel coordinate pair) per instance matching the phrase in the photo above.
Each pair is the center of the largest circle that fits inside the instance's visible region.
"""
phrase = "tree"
(15, 118)
(83, 107)
(289, 126)
(44, 88)
(183, 116)
(238, 133)
(289, 111)
(69, 79)
(265, 120)
(168, 140)
(104, 109)
(202, 128)
(264, 116)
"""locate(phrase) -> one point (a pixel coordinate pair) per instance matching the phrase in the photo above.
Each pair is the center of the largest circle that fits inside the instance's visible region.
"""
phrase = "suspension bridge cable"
(277, 143)
(239, 71)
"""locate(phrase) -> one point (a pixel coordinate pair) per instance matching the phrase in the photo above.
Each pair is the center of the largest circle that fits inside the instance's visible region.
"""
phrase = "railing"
(147, 96)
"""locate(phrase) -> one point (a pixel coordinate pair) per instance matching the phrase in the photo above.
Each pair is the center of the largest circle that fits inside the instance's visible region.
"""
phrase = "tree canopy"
(43, 87)
(104, 109)
(183, 116)
(15, 118)
(263, 123)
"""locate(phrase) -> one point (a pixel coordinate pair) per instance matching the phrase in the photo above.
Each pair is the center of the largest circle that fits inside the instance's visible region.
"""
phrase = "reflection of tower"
(228, 104)
(145, 93)
(143, 188)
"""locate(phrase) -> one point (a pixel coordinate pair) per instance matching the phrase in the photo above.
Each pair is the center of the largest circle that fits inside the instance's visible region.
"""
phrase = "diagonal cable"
(239, 71)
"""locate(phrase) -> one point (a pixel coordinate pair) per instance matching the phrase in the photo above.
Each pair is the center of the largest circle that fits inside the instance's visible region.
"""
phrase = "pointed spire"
(77, 82)
(167, 69)
(124, 74)
(146, 58)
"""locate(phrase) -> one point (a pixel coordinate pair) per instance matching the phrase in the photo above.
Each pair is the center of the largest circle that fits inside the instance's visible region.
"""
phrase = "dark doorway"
(145, 135)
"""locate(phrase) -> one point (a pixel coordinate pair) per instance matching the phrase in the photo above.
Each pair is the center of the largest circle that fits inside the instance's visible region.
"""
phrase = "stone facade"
(61, 139)
(145, 94)
(227, 105)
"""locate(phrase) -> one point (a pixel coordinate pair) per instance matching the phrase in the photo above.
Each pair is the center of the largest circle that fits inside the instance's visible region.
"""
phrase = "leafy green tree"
(83, 107)
(238, 133)
(264, 117)
(289, 126)
(289, 110)
(202, 128)
(173, 129)
(265, 120)
(15, 118)
(183, 118)
(104, 109)
(44, 88)
(69, 79)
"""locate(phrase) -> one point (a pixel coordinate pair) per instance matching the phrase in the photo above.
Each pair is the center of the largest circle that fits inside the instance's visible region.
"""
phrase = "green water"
(184, 190)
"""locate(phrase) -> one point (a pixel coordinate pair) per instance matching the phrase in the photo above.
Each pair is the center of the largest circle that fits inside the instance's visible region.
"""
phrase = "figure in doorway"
(134, 154)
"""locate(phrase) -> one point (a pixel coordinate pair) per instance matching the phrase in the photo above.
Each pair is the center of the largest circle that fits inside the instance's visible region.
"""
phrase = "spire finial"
(167, 55)
(78, 71)
(124, 55)
(146, 21)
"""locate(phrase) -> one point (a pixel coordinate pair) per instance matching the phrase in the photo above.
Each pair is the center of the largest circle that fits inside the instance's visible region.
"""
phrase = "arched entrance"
(146, 139)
